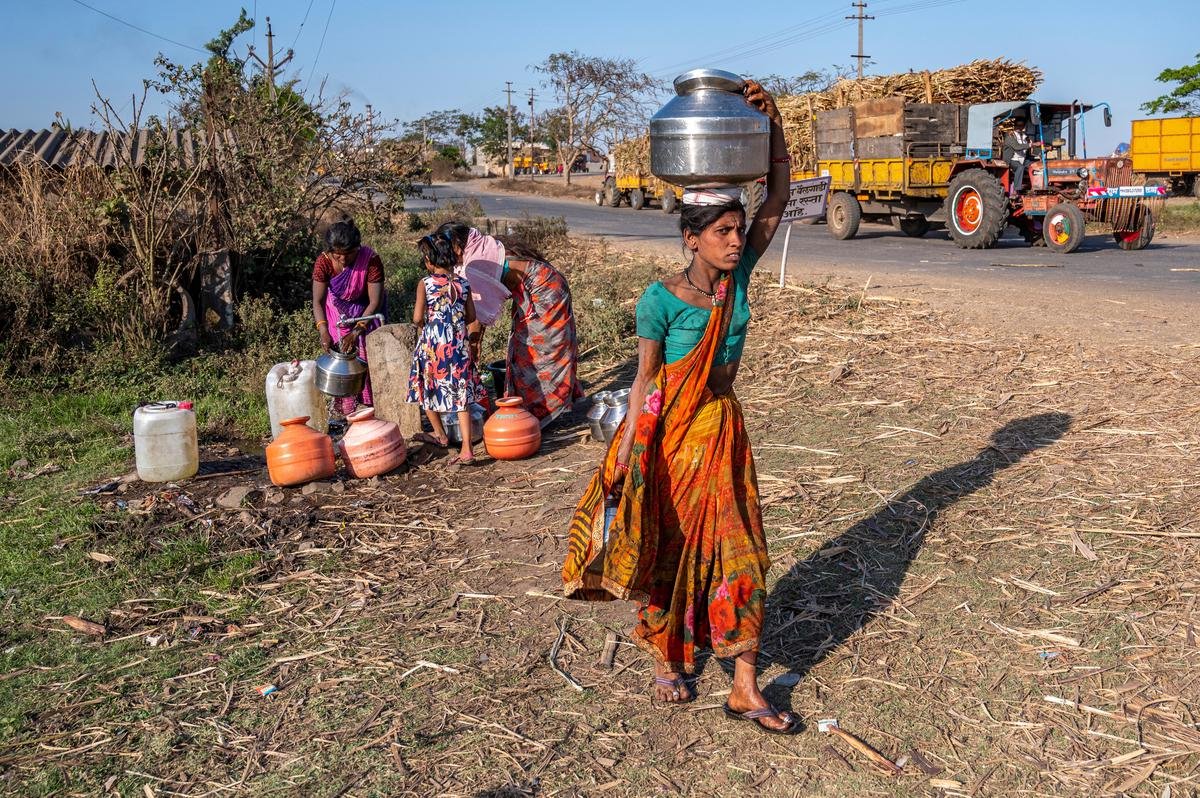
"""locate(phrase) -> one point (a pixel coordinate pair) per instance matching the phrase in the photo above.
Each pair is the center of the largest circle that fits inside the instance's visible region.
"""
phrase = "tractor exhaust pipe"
(1071, 130)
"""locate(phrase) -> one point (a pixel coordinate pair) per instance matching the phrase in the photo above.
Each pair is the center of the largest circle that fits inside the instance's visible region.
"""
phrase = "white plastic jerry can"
(164, 441)
(292, 392)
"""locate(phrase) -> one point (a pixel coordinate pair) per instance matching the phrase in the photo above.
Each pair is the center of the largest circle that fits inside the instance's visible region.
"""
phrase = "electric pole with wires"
(270, 68)
(532, 154)
(861, 16)
(508, 91)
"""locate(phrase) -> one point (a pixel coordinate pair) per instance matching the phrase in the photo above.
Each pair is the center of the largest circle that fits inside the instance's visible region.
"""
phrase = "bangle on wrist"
(322, 321)
(623, 466)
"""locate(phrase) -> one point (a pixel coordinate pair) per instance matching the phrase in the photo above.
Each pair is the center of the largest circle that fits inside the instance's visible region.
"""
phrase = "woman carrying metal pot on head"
(686, 540)
(347, 282)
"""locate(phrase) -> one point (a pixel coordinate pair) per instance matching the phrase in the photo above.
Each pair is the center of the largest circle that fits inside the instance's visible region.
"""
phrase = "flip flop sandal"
(425, 437)
(459, 460)
(678, 683)
(755, 715)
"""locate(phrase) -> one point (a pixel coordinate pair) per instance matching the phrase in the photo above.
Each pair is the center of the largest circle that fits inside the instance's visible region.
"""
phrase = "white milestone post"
(806, 200)
(787, 239)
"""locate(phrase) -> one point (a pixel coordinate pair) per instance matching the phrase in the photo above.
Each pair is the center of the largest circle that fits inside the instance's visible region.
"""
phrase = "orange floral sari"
(687, 541)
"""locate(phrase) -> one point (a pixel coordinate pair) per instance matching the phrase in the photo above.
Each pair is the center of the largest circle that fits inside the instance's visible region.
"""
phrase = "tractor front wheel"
(976, 209)
(1142, 234)
(1064, 228)
(843, 215)
(668, 200)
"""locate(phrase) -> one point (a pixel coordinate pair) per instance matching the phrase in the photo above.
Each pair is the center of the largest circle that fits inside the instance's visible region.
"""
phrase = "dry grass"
(983, 555)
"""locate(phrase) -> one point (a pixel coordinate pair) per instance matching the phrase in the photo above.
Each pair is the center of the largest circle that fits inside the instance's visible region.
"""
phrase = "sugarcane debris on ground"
(983, 549)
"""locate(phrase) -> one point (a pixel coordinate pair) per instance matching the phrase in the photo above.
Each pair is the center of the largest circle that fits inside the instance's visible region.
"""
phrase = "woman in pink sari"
(347, 282)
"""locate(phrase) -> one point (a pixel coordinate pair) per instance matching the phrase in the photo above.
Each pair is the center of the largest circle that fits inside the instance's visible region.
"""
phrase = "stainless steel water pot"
(708, 135)
(596, 415)
(340, 374)
(616, 408)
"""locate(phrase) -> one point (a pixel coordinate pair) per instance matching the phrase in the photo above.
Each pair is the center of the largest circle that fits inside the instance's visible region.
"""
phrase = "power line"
(136, 27)
(321, 46)
(301, 28)
(738, 49)
(810, 30)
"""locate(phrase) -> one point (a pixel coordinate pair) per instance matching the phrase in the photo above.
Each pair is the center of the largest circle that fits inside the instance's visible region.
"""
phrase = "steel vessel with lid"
(340, 373)
(708, 135)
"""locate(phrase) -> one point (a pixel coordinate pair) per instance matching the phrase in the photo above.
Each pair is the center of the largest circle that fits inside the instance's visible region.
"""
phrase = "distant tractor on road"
(1041, 187)
(978, 169)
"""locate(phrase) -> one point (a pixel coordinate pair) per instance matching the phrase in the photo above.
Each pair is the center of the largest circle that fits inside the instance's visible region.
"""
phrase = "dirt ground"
(983, 553)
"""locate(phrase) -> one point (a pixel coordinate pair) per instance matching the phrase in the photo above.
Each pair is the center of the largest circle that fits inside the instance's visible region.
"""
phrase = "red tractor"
(1041, 186)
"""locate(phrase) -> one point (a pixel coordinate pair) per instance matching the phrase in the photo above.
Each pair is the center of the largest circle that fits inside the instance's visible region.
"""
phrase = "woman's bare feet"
(746, 697)
(670, 687)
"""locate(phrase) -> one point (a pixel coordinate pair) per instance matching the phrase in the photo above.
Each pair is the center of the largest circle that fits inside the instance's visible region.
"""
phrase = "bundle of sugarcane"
(633, 155)
(977, 82)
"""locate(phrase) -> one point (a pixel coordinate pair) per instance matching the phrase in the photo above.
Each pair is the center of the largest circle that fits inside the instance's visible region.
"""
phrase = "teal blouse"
(678, 326)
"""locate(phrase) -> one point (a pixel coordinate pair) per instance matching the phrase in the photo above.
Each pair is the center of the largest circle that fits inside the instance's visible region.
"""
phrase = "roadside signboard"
(806, 200)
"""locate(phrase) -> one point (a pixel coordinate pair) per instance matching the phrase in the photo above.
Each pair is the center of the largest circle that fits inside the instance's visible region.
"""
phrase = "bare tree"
(596, 100)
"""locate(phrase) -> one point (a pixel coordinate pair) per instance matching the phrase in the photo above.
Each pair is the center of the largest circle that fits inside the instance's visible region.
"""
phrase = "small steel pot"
(340, 374)
(616, 408)
(596, 414)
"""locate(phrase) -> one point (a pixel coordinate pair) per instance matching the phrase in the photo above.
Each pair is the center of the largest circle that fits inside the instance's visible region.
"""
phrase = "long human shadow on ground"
(832, 594)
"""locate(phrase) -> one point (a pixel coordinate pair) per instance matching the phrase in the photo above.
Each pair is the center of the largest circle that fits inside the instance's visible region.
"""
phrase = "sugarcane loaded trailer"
(977, 169)
(638, 189)
(1166, 152)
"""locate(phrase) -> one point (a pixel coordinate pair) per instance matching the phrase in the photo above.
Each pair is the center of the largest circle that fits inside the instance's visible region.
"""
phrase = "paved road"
(1168, 269)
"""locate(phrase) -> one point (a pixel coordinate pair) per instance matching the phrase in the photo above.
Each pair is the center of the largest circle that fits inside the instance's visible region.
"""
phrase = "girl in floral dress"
(443, 378)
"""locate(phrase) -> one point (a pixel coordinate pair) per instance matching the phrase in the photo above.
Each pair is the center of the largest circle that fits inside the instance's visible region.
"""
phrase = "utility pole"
(508, 91)
(270, 68)
(532, 157)
(370, 124)
(861, 16)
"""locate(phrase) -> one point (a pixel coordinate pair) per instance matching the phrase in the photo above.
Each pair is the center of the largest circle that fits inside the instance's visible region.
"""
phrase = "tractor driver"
(1015, 152)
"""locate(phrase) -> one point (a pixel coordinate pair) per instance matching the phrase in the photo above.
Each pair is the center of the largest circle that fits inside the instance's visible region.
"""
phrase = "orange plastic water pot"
(512, 433)
(299, 454)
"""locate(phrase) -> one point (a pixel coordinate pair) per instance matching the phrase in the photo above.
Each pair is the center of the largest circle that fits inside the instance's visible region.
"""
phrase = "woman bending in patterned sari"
(687, 540)
(542, 350)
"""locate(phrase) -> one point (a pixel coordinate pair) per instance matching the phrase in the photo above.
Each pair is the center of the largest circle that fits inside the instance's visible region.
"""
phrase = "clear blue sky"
(410, 58)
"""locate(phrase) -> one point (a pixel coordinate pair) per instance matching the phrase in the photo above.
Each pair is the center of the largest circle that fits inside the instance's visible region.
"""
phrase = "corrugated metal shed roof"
(60, 148)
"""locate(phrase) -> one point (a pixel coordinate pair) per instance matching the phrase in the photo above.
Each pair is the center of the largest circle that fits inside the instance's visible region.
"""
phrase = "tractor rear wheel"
(1141, 236)
(668, 200)
(976, 209)
(912, 226)
(1064, 228)
(611, 194)
(637, 199)
(843, 215)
